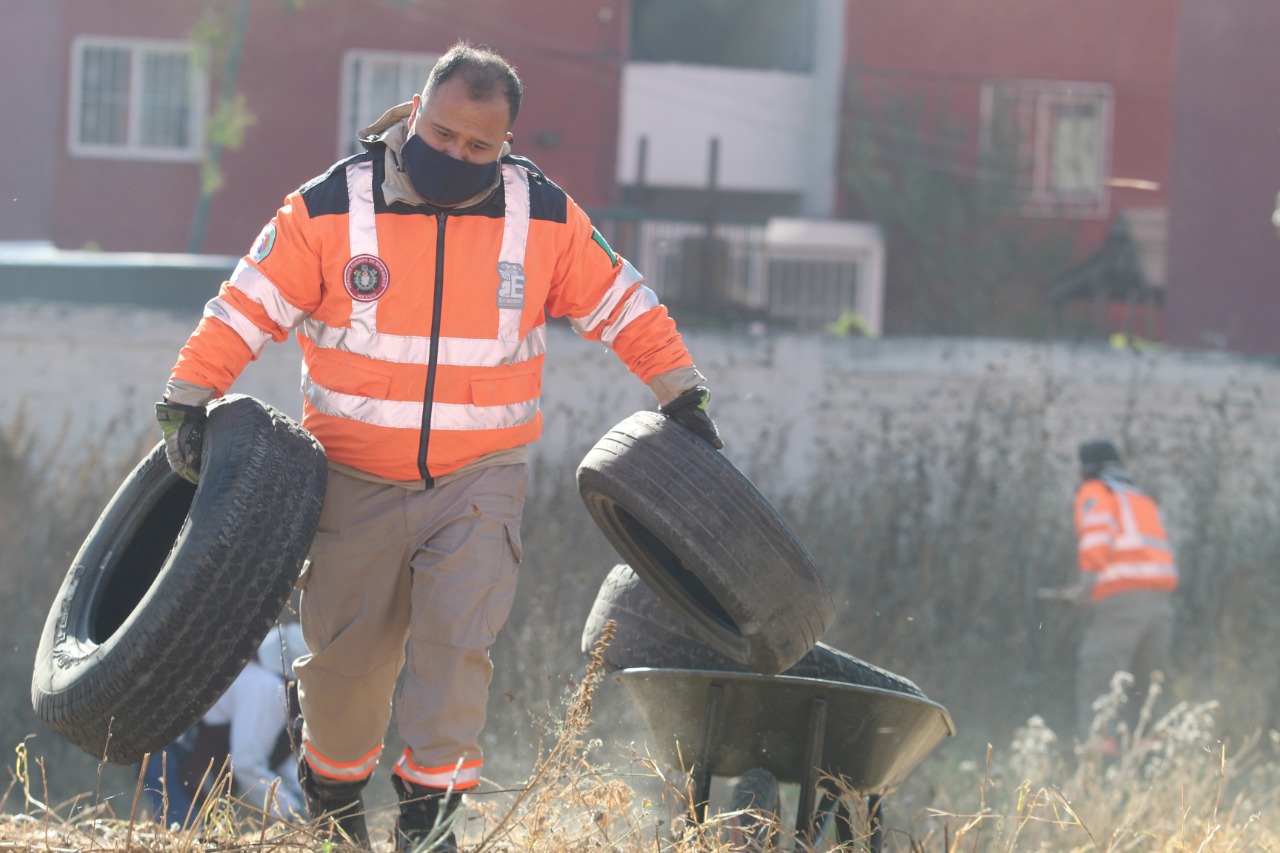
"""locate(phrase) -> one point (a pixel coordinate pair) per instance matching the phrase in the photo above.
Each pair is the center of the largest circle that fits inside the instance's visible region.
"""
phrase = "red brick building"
(110, 176)
(1078, 93)
(1224, 251)
(1146, 126)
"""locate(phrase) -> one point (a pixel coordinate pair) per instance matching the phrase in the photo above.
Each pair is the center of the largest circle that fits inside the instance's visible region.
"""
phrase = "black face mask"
(443, 180)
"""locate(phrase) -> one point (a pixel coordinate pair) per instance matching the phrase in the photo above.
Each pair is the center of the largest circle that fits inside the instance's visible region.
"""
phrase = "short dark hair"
(1094, 455)
(484, 72)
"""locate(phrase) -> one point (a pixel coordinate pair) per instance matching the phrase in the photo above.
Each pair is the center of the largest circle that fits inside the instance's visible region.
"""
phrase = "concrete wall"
(784, 403)
(172, 282)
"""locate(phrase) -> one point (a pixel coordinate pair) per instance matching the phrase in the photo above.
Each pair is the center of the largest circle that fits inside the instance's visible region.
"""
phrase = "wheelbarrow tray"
(796, 728)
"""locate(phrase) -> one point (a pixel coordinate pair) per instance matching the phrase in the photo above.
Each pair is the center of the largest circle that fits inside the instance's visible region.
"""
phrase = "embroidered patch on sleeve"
(263, 245)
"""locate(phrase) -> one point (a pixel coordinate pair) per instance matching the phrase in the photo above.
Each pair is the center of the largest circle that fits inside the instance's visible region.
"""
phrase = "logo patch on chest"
(511, 288)
(366, 278)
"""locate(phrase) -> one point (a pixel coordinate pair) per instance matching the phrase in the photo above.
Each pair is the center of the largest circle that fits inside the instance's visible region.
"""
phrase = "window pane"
(104, 96)
(414, 73)
(165, 111)
(387, 82)
(351, 111)
(1075, 167)
(382, 90)
(1061, 136)
(1011, 135)
(768, 34)
(376, 83)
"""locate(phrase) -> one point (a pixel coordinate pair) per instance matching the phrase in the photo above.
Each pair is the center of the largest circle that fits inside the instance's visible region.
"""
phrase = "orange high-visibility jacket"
(1121, 539)
(423, 331)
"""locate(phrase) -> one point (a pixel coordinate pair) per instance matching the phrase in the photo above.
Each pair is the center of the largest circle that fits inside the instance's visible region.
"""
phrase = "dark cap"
(1094, 454)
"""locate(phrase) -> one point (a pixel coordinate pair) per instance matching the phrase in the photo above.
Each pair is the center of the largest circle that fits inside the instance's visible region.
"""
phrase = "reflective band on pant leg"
(459, 776)
(340, 771)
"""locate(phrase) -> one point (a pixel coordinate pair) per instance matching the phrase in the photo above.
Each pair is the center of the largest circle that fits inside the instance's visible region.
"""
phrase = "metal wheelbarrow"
(799, 729)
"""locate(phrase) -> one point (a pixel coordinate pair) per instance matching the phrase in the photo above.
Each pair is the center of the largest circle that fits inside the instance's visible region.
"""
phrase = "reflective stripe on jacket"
(1121, 539)
(423, 331)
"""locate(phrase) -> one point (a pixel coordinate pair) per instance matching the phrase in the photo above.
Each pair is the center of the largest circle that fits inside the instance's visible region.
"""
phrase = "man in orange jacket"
(1127, 579)
(417, 277)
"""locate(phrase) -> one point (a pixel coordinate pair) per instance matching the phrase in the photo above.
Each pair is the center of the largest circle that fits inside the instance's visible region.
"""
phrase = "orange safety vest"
(1121, 539)
(423, 331)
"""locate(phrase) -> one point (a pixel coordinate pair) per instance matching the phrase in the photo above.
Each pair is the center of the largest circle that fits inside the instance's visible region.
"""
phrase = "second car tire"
(711, 546)
(648, 634)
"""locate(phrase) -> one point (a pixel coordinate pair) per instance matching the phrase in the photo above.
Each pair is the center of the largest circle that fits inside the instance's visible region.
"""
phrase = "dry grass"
(933, 514)
(566, 804)
(1176, 788)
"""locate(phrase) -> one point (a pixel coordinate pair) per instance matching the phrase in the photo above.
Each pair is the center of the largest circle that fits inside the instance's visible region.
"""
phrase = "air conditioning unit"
(819, 271)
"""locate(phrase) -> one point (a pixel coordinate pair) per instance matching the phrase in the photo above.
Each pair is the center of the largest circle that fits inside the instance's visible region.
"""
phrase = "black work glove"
(690, 411)
(183, 428)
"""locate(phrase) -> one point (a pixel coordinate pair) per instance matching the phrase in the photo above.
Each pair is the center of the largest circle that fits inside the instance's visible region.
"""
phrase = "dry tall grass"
(1176, 788)
(933, 520)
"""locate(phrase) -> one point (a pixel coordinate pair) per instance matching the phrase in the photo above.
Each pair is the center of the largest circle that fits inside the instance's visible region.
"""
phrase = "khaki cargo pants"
(422, 580)
(1130, 632)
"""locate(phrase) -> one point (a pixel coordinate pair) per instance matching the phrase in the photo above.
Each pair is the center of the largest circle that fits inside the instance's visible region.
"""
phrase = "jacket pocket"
(349, 374)
(507, 388)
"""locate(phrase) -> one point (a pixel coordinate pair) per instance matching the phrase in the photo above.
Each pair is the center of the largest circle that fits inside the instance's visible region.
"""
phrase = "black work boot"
(426, 815)
(338, 805)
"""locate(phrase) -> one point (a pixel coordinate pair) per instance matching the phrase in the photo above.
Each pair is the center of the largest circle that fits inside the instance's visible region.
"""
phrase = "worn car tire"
(176, 584)
(711, 546)
(648, 634)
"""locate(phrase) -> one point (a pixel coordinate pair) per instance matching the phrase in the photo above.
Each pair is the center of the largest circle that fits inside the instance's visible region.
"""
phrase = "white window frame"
(1038, 102)
(133, 148)
(354, 113)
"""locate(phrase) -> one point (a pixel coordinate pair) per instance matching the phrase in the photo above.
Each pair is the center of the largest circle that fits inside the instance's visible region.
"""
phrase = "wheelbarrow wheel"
(706, 540)
(755, 813)
(837, 811)
(177, 584)
(648, 633)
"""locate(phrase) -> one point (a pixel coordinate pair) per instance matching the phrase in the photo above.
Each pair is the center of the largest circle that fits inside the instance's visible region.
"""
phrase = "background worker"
(1126, 583)
(249, 731)
(417, 277)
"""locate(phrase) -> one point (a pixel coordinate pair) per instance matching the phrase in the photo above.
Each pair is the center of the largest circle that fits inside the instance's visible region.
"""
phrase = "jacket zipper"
(429, 394)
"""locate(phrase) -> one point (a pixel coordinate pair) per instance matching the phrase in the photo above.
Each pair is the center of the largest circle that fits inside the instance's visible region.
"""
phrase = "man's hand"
(690, 411)
(183, 428)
